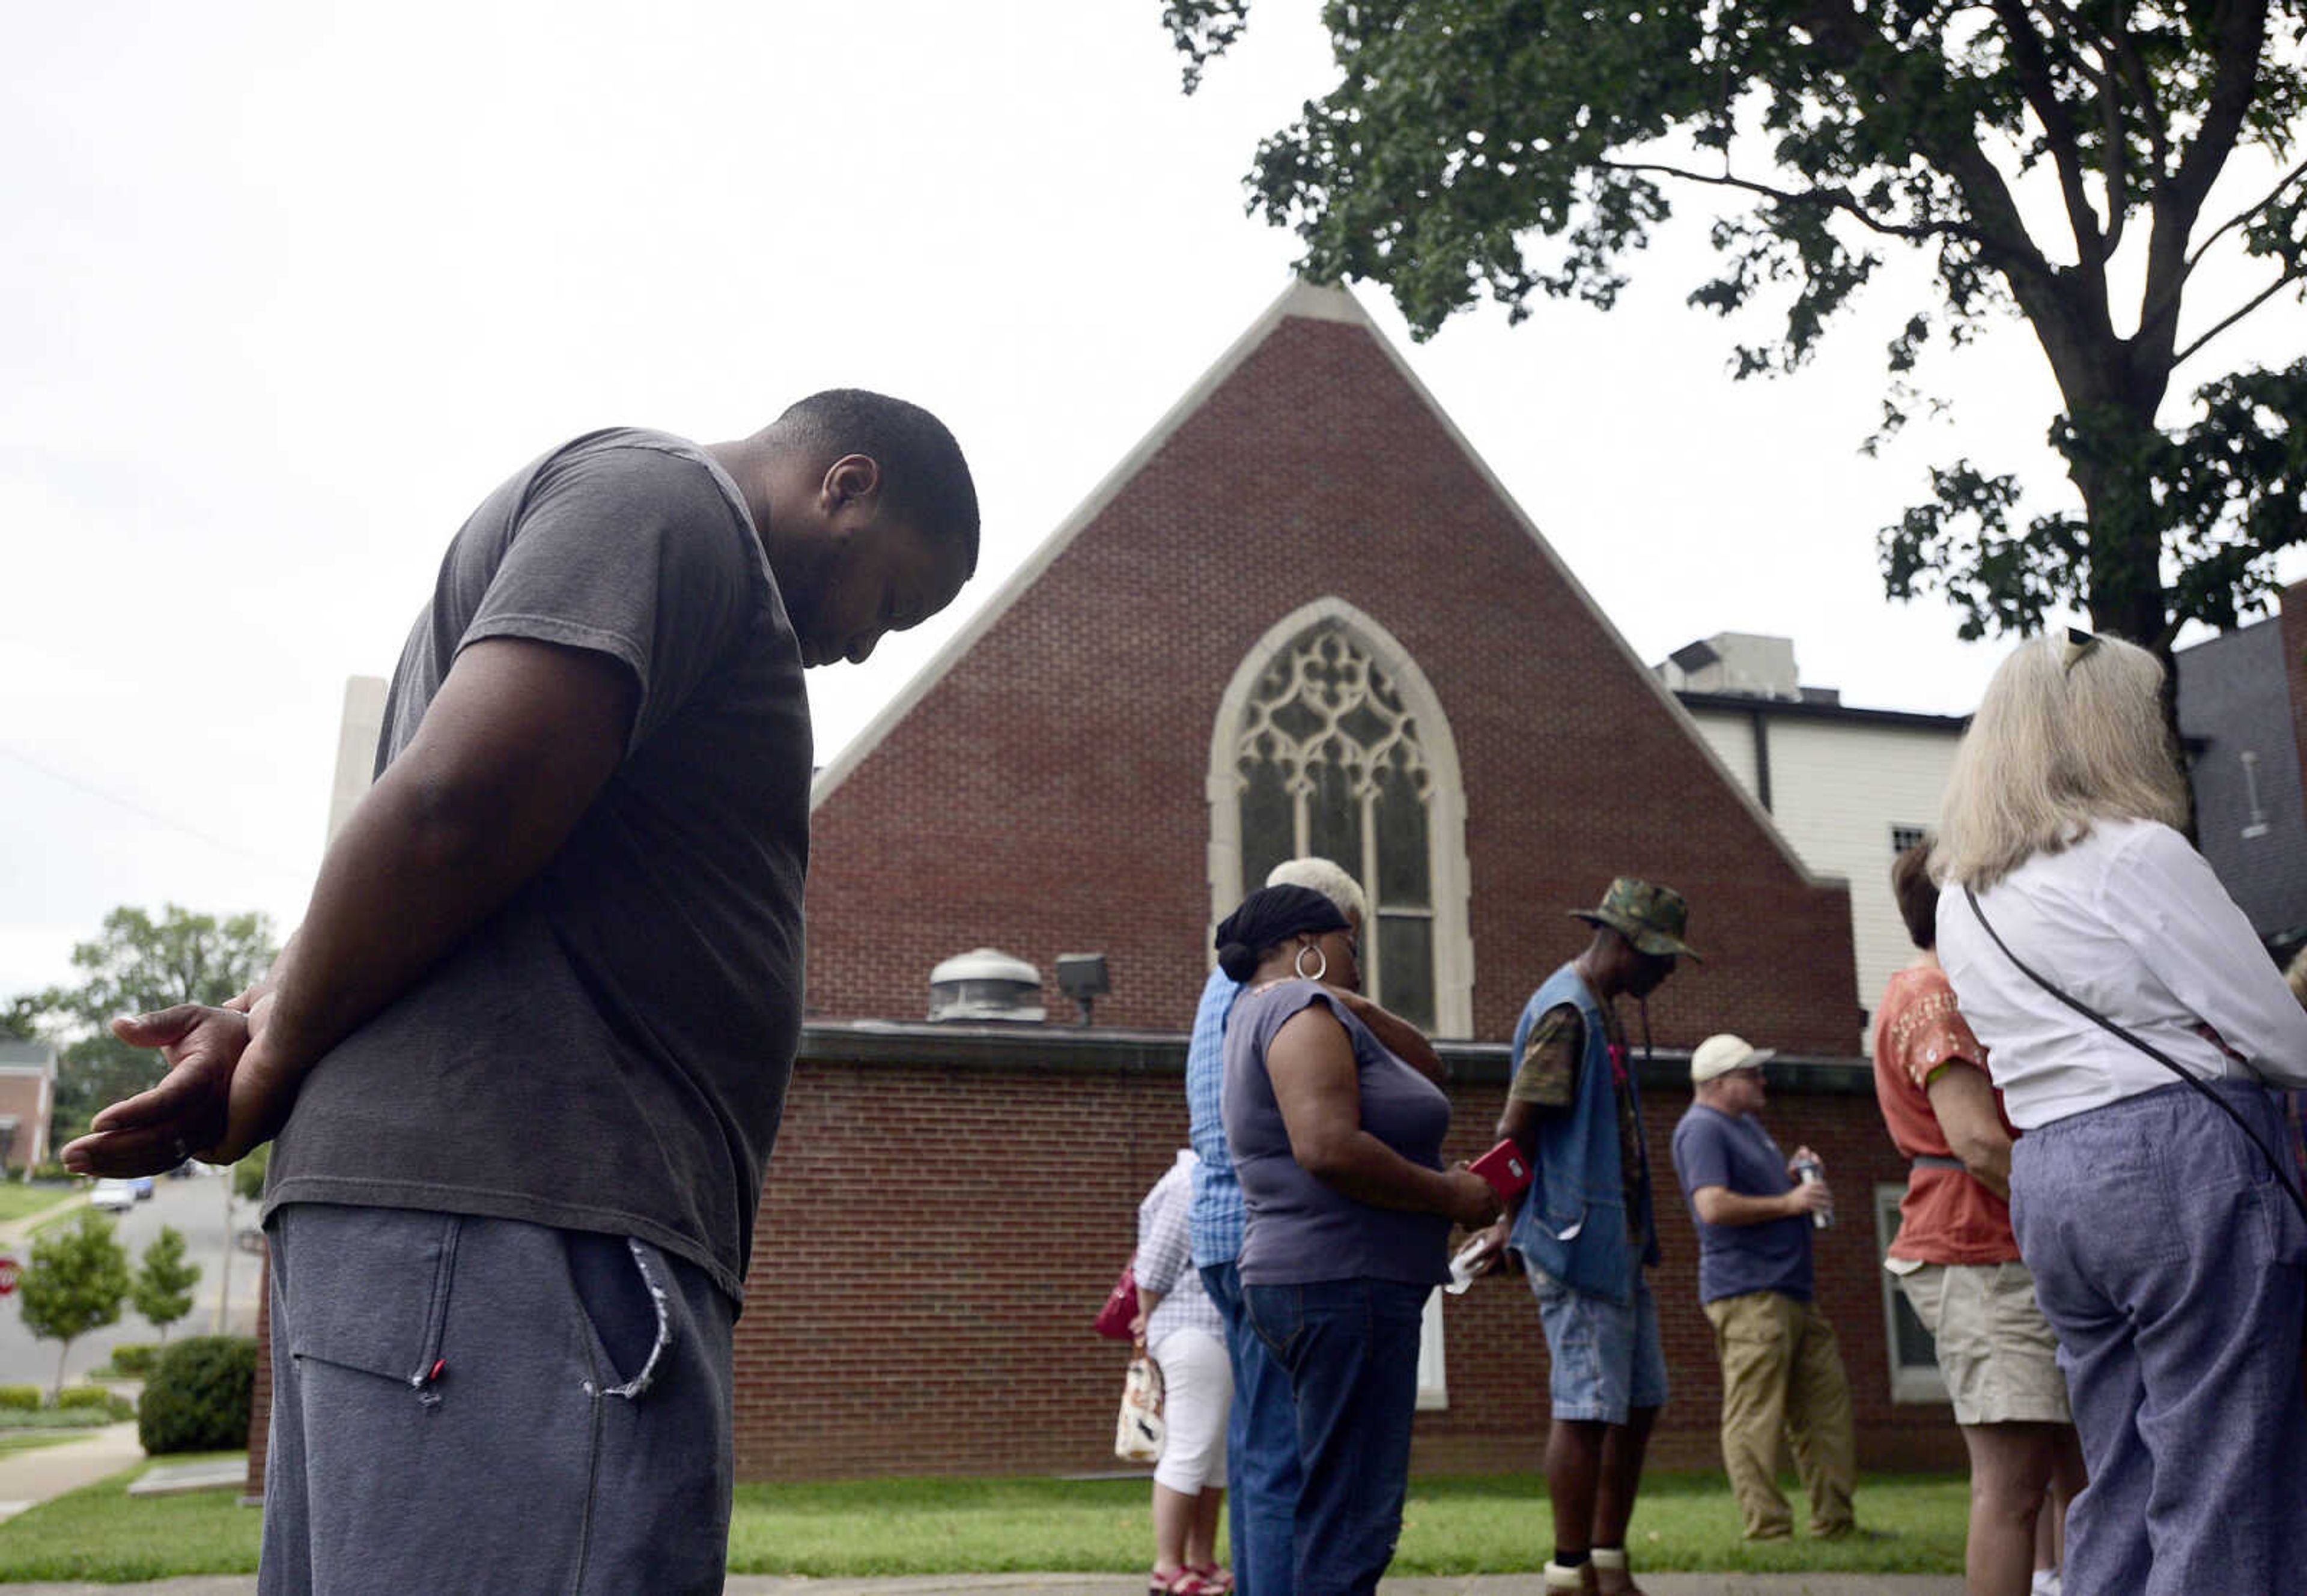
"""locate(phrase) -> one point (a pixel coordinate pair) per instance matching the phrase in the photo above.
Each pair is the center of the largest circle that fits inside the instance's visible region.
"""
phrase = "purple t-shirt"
(1712, 1149)
(1302, 1229)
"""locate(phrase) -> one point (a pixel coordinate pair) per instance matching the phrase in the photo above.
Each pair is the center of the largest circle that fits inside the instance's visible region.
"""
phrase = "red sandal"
(1186, 1582)
(1217, 1581)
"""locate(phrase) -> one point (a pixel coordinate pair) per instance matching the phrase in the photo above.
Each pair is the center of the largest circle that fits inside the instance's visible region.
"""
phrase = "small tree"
(75, 1280)
(162, 1290)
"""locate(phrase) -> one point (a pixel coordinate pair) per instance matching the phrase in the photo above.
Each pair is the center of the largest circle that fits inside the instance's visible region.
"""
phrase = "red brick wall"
(939, 1322)
(22, 1094)
(1048, 795)
(935, 1238)
(913, 1308)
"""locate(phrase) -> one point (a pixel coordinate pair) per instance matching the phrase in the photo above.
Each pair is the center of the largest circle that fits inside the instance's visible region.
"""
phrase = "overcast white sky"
(291, 286)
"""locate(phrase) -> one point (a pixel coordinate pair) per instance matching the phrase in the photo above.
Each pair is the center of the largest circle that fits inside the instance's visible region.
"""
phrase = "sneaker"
(1579, 1579)
(1612, 1577)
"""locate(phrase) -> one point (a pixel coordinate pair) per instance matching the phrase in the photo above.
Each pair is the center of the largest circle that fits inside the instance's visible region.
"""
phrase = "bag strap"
(2274, 1164)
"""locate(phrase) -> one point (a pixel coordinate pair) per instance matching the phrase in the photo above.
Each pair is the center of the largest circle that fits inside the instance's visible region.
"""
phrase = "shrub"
(199, 1396)
(20, 1398)
(134, 1358)
(84, 1396)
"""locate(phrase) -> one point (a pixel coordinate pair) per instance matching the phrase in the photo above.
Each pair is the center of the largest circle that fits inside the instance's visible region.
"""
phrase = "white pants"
(1197, 1392)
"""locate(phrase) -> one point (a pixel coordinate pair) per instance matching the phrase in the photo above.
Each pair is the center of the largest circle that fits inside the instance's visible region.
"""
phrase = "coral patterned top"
(1946, 1217)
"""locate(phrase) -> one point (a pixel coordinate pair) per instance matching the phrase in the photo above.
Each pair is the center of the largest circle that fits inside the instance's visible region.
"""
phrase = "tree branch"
(2151, 109)
(2034, 70)
(2170, 293)
(2290, 274)
(2245, 216)
(2240, 27)
(1836, 198)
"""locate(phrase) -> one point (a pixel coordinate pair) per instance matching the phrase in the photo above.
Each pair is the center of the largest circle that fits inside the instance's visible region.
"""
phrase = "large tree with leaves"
(2052, 159)
(138, 964)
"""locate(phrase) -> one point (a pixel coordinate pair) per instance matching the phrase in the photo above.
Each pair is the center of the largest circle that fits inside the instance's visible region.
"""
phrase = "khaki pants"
(1783, 1373)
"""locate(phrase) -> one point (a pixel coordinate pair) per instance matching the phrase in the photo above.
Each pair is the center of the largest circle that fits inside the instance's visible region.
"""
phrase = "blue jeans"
(1261, 1447)
(1350, 1348)
(2173, 1268)
(1606, 1356)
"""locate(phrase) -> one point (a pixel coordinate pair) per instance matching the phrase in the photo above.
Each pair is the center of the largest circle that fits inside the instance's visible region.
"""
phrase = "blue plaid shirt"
(1217, 1219)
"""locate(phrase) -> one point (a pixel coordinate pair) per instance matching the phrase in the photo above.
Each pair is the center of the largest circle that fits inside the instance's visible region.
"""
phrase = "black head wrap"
(1269, 915)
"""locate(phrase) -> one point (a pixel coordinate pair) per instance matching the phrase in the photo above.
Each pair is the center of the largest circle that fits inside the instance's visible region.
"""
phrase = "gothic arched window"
(1332, 744)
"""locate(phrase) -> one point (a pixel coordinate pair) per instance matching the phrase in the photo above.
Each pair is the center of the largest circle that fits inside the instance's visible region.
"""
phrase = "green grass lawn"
(18, 1200)
(1487, 1524)
(1492, 1523)
(32, 1440)
(101, 1533)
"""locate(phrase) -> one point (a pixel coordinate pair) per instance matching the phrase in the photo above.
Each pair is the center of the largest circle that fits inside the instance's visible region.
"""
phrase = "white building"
(1848, 787)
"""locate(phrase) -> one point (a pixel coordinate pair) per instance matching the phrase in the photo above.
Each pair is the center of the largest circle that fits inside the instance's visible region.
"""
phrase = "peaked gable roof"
(1301, 300)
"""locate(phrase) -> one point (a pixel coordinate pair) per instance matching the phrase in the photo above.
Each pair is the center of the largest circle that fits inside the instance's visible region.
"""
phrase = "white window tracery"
(1331, 742)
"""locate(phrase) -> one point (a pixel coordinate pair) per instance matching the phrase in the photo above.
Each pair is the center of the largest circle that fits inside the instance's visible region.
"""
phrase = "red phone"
(1505, 1168)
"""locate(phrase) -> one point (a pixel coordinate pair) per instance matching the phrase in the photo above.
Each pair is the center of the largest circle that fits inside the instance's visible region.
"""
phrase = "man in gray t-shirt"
(526, 1056)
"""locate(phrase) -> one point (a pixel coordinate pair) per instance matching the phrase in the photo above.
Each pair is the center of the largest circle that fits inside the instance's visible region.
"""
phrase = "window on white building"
(1914, 1357)
(1903, 837)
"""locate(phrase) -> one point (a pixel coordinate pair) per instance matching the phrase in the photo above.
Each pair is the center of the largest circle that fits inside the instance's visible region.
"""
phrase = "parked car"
(114, 1194)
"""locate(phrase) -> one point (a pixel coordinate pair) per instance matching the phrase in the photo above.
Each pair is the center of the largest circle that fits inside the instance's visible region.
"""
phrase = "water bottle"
(1810, 1172)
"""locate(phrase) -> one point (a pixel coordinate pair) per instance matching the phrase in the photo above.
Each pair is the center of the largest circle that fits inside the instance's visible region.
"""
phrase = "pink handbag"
(1120, 1305)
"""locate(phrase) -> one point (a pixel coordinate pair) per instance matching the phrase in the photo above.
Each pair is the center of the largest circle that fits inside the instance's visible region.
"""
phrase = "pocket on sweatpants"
(372, 1287)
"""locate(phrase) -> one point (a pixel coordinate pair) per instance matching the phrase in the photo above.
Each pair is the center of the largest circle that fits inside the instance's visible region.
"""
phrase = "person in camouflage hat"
(1584, 1229)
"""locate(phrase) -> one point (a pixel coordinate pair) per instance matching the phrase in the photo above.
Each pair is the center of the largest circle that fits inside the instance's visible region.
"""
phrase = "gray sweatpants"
(467, 1404)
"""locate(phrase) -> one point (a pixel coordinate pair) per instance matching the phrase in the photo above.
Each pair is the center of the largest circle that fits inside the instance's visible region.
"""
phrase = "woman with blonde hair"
(2134, 1024)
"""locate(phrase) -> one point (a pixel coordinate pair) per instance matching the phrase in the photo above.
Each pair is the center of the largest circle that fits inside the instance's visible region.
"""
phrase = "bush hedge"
(199, 1396)
(84, 1396)
(134, 1357)
(23, 1399)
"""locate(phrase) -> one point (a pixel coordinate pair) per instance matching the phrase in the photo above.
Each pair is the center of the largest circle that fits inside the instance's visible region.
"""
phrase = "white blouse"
(2130, 921)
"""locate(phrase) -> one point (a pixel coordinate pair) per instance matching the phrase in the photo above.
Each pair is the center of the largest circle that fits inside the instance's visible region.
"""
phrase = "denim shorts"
(1606, 1355)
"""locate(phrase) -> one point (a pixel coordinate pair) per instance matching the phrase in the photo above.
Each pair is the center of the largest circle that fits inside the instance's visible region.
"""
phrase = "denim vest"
(1573, 1224)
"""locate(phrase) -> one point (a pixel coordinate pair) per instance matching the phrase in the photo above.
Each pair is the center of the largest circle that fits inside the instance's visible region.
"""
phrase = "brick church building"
(1301, 617)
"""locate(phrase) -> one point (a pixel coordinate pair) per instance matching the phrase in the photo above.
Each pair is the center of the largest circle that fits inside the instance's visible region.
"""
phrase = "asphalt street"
(195, 1206)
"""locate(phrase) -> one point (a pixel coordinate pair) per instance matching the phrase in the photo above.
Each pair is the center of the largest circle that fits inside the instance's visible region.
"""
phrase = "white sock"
(2047, 1582)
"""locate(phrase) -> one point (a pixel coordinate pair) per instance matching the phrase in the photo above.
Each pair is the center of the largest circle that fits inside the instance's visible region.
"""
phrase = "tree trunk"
(57, 1397)
(2107, 463)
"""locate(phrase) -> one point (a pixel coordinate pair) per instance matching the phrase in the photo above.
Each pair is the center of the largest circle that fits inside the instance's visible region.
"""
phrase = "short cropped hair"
(1328, 879)
(2056, 745)
(924, 479)
(1917, 895)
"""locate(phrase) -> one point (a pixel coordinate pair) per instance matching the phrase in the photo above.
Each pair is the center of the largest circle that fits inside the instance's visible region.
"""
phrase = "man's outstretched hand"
(217, 1101)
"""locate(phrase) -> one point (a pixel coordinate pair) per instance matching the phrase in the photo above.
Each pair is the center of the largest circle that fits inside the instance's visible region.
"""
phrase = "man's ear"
(852, 479)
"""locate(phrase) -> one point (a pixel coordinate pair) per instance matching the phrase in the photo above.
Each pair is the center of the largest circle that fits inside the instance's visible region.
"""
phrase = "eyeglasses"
(2077, 644)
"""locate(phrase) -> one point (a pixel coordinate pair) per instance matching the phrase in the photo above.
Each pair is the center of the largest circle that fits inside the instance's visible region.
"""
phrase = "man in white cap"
(1781, 1370)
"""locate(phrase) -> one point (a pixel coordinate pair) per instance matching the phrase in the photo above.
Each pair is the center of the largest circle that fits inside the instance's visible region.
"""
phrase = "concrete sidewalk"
(28, 1477)
(1134, 1584)
(17, 1233)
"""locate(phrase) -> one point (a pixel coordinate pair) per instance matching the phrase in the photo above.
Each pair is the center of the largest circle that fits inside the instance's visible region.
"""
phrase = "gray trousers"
(2174, 1271)
(467, 1404)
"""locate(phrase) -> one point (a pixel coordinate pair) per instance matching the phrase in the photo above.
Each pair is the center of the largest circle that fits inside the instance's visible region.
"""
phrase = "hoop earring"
(1299, 964)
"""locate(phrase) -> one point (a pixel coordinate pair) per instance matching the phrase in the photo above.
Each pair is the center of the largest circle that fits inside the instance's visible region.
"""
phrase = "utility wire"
(151, 816)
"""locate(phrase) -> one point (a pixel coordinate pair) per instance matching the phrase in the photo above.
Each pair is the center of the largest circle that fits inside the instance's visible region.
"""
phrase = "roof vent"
(986, 984)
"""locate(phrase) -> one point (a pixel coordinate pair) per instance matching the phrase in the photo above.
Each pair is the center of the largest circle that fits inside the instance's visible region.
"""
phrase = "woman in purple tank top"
(1335, 1116)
